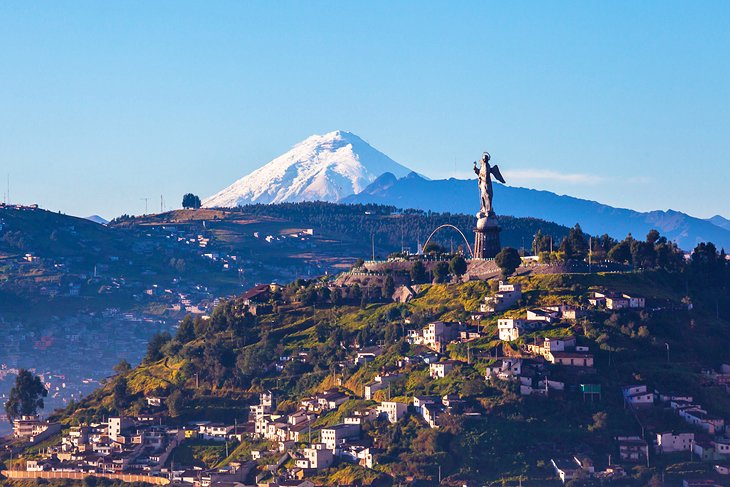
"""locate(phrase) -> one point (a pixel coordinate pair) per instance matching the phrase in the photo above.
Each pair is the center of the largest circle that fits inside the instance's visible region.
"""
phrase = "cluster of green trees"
(440, 271)
(26, 396)
(655, 252)
(191, 201)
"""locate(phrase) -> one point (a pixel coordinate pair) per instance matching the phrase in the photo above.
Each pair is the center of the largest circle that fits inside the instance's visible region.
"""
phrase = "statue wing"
(498, 175)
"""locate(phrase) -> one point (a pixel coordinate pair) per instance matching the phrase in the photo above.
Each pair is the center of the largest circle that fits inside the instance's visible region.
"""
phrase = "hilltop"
(94, 293)
(317, 337)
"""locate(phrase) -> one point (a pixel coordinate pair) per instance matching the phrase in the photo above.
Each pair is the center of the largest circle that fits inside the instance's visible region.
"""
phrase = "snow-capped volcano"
(325, 167)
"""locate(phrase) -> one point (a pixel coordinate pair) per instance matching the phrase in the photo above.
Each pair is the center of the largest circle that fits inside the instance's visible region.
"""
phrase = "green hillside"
(505, 435)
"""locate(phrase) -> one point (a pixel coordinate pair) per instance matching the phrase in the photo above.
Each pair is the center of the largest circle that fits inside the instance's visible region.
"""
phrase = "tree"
(120, 395)
(186, 330)
(457, 266)
(388, 288)
(154, 346)
(440, 272)
(175, 402)
(575, 245)
(418, 272)
(191, 201)
(433, 248)
(621, 252)
(26, 396)
(508, 260)
(122, 367)
(600, 420)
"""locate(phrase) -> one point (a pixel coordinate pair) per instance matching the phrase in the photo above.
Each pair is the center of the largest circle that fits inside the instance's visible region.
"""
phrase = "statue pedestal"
(486, 241)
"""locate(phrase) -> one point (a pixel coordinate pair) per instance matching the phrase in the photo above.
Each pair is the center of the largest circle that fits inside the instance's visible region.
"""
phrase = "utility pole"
(590, 253)
(372, 238)
(146, 201)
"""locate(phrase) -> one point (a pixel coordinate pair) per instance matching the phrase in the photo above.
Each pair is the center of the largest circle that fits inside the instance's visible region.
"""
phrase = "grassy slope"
(534, 426)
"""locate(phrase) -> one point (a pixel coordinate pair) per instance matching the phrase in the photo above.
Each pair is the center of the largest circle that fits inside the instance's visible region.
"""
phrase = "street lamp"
(667, 345)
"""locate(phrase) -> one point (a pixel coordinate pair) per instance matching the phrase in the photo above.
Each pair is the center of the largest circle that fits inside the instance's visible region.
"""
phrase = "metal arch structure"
(471, 252)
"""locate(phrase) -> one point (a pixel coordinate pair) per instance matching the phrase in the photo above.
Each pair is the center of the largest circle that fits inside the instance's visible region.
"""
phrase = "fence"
(24, 474)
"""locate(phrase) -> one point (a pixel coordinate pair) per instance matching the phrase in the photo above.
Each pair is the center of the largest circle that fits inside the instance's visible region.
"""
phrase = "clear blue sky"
(103, 103)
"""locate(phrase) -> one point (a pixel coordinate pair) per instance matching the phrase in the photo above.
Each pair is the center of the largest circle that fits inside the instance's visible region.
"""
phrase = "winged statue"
(485, 173)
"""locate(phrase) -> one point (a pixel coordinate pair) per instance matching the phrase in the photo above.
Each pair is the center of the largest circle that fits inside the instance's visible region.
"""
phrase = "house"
(335, 435)
(436, 335)
(544, 346)
(316, 456)
(670, 442)
(419, 402)
(324, 401)
(215, 431)
(380, 382)
(116, 426)
(265, 406)
(367, 354)
(510, 329)
(571, 312)
(632, 448)
(154, 401)
(441, 369)
(565, 468)
(617, 301)
(29, 427)
(431, 413)
(571, 359)
(700, 417)
(699, 483)
(404, 294)
(257, 295)
(507, 296)
(547, 314)
(394, 411)
(638, 396)
(504, 368)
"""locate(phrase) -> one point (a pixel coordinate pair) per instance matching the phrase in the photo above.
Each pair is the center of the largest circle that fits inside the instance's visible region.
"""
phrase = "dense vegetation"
(213, 368)
(392, 228)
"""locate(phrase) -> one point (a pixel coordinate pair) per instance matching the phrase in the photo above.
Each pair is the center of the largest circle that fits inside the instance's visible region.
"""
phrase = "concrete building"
(670, 442)
(335, 435)
(394, 411)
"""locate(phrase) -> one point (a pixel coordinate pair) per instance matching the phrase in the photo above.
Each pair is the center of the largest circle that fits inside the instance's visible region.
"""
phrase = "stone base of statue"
(486, 241)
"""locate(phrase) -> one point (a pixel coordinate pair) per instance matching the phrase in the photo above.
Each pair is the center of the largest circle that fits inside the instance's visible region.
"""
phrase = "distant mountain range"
(342, 167)
(460, 196)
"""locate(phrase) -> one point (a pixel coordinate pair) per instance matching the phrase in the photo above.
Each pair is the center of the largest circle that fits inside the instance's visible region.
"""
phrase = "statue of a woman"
(484, 172)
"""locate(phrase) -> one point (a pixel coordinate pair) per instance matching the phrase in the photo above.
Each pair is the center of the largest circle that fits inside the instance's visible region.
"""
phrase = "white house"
(507, 296)
(510, 328)
(394, 411)
(638, 396)
(335, 435)
(670, 442)
(317, 456)
(504, 368)
(441, 369)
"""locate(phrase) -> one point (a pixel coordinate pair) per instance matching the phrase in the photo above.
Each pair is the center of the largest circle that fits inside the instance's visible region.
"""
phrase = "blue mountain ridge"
(461, 196)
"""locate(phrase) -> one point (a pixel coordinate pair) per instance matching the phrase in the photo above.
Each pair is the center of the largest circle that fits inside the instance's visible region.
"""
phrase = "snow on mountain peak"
(325, 167)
